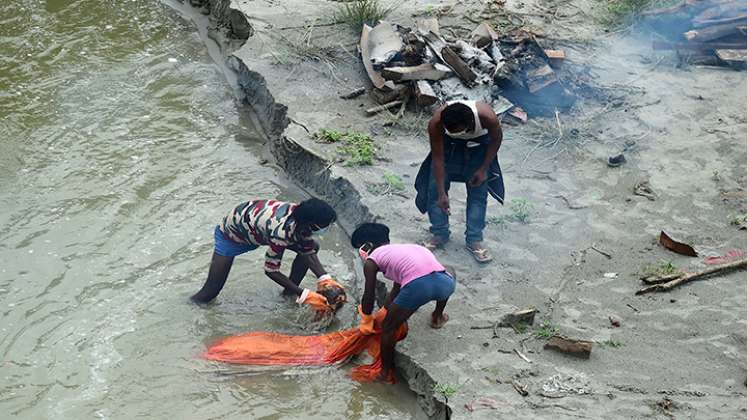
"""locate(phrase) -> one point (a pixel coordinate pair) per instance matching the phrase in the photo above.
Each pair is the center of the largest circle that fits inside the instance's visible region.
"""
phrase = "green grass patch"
(545, 331)
(620, 13)
(664, 268)
(520, 210)
(446, 390)
(357, 149)
(356, 13)
(740, 221)
(611, 343)
(392, 183)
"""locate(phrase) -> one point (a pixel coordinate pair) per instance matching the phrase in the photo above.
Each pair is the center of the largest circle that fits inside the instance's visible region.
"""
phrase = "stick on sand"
(688, 277)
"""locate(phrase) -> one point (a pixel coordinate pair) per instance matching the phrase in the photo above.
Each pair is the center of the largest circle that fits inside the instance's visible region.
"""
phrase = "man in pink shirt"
(418, 279)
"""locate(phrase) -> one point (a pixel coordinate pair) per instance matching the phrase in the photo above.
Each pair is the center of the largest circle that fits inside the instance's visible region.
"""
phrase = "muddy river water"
(121, 148)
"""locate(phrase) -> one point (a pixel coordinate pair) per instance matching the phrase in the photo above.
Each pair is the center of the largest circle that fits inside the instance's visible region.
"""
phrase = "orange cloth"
(266, 348)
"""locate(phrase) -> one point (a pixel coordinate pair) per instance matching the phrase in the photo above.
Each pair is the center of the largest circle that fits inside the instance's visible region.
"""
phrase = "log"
(733, 57)
(425, 71)
(424, 94)
(577, 348)
(460, 67)
(540, 78)
(524, 316)
(701, 46)
(379, 108)
(715, 31)
(441, 50)
(384, 96)
(688, 277)
(354, 94)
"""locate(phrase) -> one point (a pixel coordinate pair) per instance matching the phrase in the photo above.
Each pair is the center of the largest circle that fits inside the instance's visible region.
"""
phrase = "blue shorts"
(228, 248)
(435, 286)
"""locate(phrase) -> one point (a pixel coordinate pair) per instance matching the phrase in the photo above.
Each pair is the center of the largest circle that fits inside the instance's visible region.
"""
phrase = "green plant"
(612, 343)
(740, 221)
(362, 12)
(618, 13)
(545, 331)
(446, 390)
(359, 148)
(521, 209)
(394, 182)
(329, 136)
(664, 268)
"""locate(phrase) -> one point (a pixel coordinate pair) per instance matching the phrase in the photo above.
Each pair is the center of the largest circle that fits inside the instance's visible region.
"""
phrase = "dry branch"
(688, 277)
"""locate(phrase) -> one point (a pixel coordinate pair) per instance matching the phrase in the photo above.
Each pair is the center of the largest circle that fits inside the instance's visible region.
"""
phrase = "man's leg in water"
(220, 266)
(396, 316)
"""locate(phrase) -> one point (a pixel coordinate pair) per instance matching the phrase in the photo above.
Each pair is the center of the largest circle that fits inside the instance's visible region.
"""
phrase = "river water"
(121, 148)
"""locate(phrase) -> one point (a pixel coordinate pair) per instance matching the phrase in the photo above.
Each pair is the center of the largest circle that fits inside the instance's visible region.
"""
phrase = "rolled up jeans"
(460, 163)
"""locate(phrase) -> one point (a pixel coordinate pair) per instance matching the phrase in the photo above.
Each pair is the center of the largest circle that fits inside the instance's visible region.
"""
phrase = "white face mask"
(320, 231)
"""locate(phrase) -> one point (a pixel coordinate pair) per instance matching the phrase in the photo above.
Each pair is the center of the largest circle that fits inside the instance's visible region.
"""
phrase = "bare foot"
(438, 322)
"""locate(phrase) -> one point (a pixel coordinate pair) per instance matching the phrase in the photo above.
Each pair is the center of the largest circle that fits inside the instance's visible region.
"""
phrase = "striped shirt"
(267, 223)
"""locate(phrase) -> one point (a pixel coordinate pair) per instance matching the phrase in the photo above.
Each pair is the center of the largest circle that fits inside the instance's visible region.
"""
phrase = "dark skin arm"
(284, 281)
(436, 136)
(489, 121)
(370, 269)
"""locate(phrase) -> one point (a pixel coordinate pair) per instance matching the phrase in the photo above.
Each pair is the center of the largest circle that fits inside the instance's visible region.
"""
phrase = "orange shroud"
(266, 348)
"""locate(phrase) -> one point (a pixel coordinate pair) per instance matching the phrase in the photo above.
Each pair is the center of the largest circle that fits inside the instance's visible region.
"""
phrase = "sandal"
(481, 255)
(433, 243)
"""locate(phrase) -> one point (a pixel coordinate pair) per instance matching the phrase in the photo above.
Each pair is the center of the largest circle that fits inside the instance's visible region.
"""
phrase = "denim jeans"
(460, 164)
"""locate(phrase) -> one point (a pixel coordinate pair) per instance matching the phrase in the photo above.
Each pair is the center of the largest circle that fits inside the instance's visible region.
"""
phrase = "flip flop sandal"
(481, 255)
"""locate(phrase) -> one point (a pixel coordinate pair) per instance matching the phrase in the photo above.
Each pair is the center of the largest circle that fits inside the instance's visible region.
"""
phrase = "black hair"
(375, 233)
(457, 116)
(314, 212)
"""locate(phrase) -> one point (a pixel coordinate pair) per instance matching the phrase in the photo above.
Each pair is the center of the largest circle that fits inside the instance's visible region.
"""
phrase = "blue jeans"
(477, 206)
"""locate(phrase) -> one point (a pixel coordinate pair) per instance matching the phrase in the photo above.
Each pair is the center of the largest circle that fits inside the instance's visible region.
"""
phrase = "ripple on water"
(121, 156)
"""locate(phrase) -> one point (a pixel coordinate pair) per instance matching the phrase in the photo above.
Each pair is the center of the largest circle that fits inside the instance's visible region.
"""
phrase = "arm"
(370, 269)
(273, 257)
(284, 281)
(312, 261)
(392, 295)
(436, 137)
(488, 120)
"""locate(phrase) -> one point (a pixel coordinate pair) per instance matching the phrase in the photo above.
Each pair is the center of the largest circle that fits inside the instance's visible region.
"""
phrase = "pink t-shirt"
(403, 263)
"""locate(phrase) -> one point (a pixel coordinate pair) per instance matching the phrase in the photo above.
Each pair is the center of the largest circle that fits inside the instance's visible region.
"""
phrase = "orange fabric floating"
(272, 349)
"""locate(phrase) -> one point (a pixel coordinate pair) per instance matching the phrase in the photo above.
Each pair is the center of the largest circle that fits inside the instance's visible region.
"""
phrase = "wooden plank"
(701, 46)
(555, 57)
(377, 109)
(714, 32)
(540, 78)
(460, 67)
(425, 71)
(733, 56)
(441, 50)
(424, 94)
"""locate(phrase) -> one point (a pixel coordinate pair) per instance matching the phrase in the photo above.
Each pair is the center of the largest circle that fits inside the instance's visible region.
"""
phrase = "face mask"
(363, 253)
(321, 231)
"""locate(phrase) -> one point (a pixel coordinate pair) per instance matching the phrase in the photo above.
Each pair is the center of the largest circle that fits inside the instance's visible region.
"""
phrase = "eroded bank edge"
(311, 171)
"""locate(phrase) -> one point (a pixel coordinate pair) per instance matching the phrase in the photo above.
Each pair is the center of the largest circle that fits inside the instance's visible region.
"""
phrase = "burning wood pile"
(511, 71)
(704, 31)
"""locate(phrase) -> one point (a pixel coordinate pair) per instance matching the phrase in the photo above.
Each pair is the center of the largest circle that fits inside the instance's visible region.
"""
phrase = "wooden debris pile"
(511, 71)
(712, 32)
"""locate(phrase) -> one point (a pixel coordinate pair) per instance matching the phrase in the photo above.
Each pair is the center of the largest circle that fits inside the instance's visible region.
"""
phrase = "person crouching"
(418, 278)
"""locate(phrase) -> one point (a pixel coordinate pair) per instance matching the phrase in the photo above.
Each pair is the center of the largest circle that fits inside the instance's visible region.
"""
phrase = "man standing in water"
(418, 279)
(279, 226)
(465, 137)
